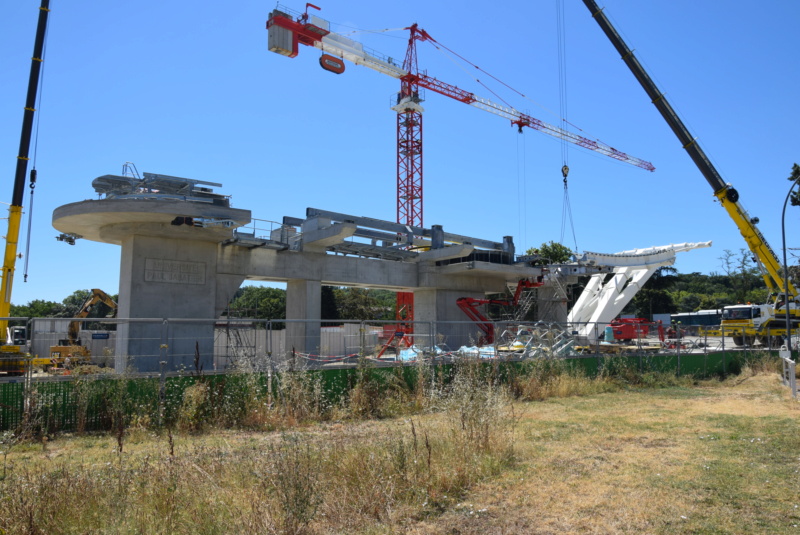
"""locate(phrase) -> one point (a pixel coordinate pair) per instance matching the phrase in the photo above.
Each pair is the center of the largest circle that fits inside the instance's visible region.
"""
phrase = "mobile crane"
(745, 323)
(71, 345)
(14, 358)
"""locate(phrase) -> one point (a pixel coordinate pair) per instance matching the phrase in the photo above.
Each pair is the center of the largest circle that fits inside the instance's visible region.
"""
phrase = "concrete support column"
(432, 306)
(177, 278)
(303, 303)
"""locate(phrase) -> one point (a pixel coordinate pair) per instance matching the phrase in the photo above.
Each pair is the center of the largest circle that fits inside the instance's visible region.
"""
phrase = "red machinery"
(469, 305)
(628, 329)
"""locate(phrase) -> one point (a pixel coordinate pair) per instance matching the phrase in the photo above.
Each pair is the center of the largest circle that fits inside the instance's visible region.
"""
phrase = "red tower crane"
(286, 31)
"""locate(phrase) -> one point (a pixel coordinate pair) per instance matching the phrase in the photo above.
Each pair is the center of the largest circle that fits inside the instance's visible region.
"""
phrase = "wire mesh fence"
(56, 346)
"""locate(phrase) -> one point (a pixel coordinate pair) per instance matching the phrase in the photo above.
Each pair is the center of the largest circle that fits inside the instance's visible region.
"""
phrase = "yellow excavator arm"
(97, 296)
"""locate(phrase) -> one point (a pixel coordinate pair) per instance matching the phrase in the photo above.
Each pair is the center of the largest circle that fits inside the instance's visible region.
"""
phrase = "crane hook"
(565, 172)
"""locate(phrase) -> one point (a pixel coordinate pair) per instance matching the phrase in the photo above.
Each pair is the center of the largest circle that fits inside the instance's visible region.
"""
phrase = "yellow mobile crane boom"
(743, 322)
(12, 356)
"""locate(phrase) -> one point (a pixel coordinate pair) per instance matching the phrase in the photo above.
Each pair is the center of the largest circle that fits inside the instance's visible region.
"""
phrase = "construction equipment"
(469, 305)
(629, 329)
(14, 358)
(71, 346)
(745, 323)
(286, 32)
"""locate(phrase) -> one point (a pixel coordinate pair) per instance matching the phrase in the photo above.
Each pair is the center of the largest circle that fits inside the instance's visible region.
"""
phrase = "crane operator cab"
(741, 312)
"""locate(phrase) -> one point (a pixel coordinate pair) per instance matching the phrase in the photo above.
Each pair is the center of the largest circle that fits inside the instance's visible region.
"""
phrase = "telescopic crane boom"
(12, 350)
(728, 197)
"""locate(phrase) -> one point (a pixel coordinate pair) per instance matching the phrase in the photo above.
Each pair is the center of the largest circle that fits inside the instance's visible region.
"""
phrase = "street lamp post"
(786, 270)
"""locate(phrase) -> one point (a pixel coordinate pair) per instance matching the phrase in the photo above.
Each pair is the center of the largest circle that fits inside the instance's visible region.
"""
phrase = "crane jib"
(286, 33)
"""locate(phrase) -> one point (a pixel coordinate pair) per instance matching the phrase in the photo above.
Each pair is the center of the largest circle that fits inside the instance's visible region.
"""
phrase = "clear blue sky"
(191, 90)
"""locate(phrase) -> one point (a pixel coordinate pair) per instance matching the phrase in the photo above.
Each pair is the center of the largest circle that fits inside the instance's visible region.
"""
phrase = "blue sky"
(190, 90)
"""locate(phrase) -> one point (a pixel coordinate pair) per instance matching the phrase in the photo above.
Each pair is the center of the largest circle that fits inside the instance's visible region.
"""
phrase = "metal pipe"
(786, 268)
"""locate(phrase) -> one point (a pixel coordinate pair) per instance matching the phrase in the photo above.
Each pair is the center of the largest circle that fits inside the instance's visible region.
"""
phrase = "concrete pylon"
(303, 310)
(169, 263)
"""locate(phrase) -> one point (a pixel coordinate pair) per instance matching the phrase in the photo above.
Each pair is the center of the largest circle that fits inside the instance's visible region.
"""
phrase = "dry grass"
(718, 458)
(712, 457)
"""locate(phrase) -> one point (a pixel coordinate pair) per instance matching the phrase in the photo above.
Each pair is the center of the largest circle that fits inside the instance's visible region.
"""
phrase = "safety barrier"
(789, 375)
(185, 345)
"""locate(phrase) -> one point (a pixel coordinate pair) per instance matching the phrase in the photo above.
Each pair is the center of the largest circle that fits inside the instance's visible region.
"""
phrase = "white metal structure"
(607, 294)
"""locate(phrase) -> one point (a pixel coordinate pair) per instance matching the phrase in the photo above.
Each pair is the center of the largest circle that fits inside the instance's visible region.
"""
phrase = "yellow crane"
(745, 323)
(14, 357)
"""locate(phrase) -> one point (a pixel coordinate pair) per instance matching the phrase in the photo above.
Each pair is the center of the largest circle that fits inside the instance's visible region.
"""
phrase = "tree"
(794, 176)
(745, 280)
(259, 302)
(73, 302)
(39, 308)
(551, 253)
(364, 304)
(328, 309)
(649, 301)
(662, 278)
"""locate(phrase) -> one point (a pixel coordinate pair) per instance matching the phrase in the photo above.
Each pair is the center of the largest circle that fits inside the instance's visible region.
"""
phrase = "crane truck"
(745, 323)
(14, 358)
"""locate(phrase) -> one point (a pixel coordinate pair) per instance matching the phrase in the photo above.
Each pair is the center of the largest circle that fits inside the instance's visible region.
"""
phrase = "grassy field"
(590, 456)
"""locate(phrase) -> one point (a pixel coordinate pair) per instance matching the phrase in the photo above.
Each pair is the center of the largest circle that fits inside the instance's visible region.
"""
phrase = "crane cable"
(566, 209)
(32, 180)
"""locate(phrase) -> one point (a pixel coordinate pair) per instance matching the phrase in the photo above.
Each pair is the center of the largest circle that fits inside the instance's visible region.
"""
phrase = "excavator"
(767, 322)
(71, 346)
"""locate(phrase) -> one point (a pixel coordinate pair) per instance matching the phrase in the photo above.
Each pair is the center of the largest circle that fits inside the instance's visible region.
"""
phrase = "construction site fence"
(256, 357)
(181, 344)
(184, 345)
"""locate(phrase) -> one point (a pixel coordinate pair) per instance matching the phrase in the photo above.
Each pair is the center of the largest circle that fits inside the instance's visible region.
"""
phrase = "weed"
(193, 413)
(299, 397)
(292, 477)
(366, 396)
